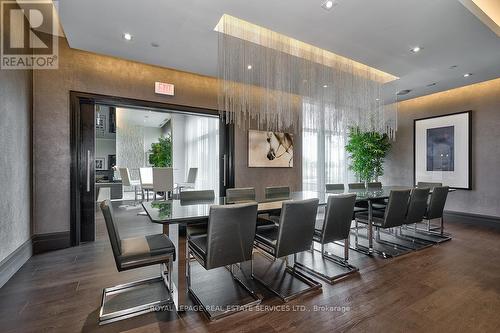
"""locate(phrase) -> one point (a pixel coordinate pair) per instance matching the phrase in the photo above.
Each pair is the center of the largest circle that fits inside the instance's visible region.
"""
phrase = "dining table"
(172, 214)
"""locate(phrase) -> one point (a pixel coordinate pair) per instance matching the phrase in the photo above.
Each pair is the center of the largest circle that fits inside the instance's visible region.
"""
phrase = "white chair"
(163, 181)
(190, 181)
(146, 178)
(126, 181)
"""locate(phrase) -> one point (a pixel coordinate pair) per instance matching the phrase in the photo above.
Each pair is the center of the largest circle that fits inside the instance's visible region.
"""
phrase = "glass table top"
(177, 211)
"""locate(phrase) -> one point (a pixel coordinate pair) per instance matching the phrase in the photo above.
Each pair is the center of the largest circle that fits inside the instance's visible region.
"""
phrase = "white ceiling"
(144, 118)
(379, 33)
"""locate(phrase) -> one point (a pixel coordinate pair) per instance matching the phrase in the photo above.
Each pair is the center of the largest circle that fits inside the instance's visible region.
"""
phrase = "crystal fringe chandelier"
(265, 78)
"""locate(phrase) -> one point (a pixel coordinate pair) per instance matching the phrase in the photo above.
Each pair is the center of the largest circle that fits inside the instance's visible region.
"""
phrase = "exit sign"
(164, 88)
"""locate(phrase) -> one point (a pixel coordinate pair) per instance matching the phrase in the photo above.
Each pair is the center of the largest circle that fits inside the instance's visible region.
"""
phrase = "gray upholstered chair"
(393, 216)
(229, 241)
(428, 185)
(131, 253)
(374, 185)
(127, 181)
(195, 198)
(294, 234)
(334, 187)
(436, 207)
(239, 195)
(335, 227)
(356, 186)
(277, 193)
(188, 197)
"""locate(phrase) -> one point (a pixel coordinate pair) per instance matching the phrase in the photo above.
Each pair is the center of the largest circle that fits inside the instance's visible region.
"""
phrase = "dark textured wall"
(15, 159)
(88, 72)
(484, 100)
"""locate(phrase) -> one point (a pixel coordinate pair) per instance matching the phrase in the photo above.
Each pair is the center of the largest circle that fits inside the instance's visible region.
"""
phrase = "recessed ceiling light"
(403, 92)
(153, 44)
(377, 99)
(127, 36)
(467, 74)
(453, 67)
(431, 84)
(325, 86)
(249, 67)
(416, 49)
(329, 4)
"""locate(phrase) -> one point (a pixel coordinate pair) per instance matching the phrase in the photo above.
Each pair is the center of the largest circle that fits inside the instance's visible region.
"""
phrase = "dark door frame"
(226, 142)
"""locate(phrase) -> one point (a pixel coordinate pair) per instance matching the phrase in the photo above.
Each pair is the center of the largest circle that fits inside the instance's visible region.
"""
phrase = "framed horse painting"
(270, 149)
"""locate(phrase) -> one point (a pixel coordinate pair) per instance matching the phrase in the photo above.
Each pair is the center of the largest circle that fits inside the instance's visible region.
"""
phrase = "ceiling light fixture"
(325, 86)
(249, 67)
(329, 4)
(453, 67)
(127, 36)
(467, 74)
(416, 49)
(403, 92)
(153, 44)
(431, 84)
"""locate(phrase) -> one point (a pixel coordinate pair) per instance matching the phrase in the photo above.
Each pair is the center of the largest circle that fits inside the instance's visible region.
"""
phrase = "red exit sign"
(164, 88)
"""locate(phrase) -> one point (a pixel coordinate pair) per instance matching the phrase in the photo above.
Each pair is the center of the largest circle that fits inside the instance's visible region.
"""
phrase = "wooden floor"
(452, 287)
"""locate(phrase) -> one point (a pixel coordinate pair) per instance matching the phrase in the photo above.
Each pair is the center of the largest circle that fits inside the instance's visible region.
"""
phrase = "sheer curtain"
(201, 138)
(324, 159)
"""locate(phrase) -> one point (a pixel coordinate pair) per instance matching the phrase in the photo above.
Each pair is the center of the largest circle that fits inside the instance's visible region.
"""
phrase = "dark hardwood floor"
(447, 288)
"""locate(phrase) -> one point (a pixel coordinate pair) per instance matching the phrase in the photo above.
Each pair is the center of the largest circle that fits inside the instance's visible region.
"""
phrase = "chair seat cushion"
(196, 230)
(267, 235)
(377, 217)
(265, 220)
(379, 206)
(199, 246)
(145, 250)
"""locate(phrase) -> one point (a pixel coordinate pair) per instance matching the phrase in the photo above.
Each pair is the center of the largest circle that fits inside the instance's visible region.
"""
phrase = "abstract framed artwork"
(270, 149)
(100, 163)
(442, 150)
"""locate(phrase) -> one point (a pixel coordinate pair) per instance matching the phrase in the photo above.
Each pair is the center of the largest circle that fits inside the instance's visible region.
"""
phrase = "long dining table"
(175, 213)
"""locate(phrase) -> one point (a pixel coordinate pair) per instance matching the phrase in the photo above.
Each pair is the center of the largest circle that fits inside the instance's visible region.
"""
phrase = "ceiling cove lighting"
(271, 99)
(127, 36)
(487, 11)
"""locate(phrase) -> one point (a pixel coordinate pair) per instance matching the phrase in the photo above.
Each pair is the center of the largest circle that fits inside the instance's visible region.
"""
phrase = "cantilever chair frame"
(343, 262)
(166, 269)
(270, 253)
(193, 254)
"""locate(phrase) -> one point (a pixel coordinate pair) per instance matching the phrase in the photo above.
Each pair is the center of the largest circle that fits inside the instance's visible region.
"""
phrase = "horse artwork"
(270, 149)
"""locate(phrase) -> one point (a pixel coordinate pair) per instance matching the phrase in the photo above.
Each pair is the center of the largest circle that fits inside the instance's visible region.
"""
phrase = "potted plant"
(367, 152)
(161, 152)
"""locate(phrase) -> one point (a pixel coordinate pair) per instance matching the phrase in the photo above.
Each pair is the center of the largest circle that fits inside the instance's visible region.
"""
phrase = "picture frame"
(268, 149)
(442, 150)
(100, 163)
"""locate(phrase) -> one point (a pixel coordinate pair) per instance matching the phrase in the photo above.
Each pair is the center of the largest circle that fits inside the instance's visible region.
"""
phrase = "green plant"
(161, 152)
(367, 151)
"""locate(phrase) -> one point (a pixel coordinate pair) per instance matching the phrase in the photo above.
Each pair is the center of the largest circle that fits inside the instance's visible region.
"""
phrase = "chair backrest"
(230, 234)
(163, 179)
(242, 194)
(146, 175)
(277, 192)
(338, 217)
(417, 206)
(428, 185)
(192, 174)
(125, 176)
(374, 185)
(296, 227)
(357, 186)
(437, 202)
(114, 236)
(334, 187)
(199, 195)
(397, 206)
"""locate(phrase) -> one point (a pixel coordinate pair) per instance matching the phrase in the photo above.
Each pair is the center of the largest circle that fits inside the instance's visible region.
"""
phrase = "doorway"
(108, 133)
